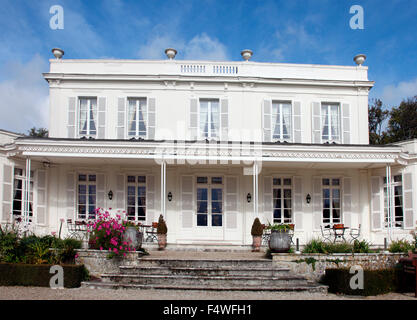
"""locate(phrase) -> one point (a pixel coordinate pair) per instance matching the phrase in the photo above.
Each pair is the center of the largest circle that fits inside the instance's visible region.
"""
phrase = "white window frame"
(136, 184)
(273, 122)
(87, 134)
(87, 183)
(137, 135)
(329, 119)
(385, 213)
(282, 187)
(22, 177)
(209, 185)
(201, 133)
(331, 187)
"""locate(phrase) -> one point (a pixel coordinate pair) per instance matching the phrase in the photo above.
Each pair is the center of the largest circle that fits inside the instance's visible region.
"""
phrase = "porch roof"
(53, 149)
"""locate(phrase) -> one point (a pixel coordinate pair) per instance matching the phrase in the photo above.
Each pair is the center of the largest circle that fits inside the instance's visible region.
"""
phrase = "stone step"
(224, 271)
(288, 288)
(206, 263)
(220, 281)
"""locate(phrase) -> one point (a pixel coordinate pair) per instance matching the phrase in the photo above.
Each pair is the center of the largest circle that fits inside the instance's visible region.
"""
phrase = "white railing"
(203, 69)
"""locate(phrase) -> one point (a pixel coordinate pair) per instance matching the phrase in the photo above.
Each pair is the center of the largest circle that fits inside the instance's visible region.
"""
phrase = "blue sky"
(295, 31)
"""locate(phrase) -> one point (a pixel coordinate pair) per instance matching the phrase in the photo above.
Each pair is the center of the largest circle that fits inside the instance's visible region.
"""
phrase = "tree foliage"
(401, 124)
(377, 117)
(39, 133)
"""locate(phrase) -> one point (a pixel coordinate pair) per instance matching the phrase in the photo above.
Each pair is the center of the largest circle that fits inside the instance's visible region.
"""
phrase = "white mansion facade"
(211, 146)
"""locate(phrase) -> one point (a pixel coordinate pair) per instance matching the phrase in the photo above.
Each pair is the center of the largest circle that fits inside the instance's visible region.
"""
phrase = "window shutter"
(71, 124)
(376, 203)
(120, 192)
(317, 203)
(151, 119)
(408, 201)
(316, 123)
(347, 202)
(193, 125)
(267, 200)
(101, 134)
(121, 112)
(231, 202)
(346, 123)
(7, 192)
(224, 116)
(187, 202)
(41, 197)
(266, 120)
(71, 194)
(298, 203)
(297, 122)
(150, 199)
(101, 191)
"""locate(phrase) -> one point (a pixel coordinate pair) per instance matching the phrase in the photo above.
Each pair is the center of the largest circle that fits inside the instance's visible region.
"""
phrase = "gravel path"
(38, 293)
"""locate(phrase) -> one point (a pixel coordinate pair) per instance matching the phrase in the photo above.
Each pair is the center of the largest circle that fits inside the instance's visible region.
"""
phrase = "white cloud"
(200, 47)
(392, 95)
(24, 99)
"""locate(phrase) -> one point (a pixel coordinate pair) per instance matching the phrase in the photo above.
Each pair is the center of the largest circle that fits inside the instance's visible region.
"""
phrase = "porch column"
(389, 201)
(163, 187)
(26, 192)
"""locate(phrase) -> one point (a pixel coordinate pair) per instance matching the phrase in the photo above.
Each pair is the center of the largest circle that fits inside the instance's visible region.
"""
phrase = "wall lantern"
(170, 196)
(249, 197)
(308, 198)
(110, 194)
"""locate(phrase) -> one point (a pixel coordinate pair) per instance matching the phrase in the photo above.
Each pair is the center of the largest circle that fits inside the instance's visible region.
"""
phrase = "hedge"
(375, 281)
(13, 274)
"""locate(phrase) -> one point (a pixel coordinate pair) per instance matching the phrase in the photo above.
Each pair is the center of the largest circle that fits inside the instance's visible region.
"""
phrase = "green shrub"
(319, 246)
(162, 227)
(339, 247)
(315, 246)
(39, 276)
(257, 229)
(400, 246)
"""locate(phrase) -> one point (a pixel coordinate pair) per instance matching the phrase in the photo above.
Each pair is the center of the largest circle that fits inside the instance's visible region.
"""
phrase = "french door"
(209, 202)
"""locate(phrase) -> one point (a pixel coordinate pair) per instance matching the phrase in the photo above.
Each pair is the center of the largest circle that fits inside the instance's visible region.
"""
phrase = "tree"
(403, 121)
(39, 133)
(377, 117)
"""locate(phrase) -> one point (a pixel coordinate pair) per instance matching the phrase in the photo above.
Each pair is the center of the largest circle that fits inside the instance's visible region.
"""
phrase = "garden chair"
(355, 233)
(326, 234)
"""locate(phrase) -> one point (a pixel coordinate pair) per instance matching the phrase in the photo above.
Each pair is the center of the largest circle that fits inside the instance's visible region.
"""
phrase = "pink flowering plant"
(106, 234)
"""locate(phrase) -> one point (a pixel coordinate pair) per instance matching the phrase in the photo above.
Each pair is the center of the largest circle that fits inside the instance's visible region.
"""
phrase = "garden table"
(339, 233)
(150, 231)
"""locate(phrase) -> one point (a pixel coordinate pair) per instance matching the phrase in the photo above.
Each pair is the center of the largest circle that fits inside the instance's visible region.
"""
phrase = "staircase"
(205, 274)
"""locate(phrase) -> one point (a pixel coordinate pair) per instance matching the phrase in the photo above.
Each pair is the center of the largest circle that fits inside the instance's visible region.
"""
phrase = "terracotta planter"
(256, 244)
(162, 241)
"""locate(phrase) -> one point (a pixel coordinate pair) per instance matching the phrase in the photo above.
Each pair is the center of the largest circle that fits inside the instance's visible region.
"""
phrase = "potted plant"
(256, 232)
(280, 240)
(161, 232)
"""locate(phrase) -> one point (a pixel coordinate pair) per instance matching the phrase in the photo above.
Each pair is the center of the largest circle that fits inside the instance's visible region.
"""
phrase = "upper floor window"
(209, 118)
(88, 117)
(330, 122)
(137, 117)
(281, 121)
(396, 200)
